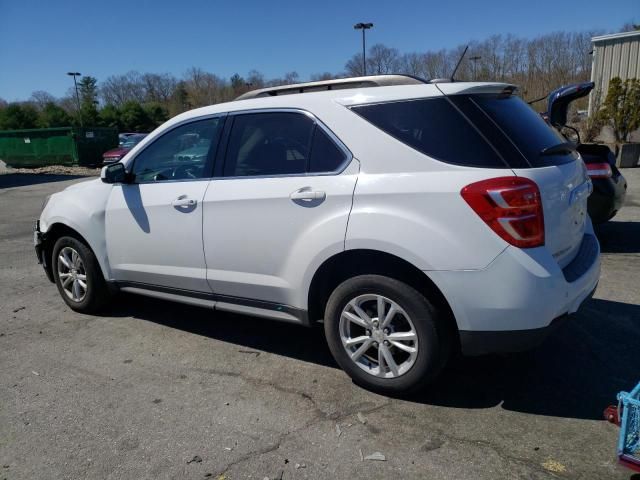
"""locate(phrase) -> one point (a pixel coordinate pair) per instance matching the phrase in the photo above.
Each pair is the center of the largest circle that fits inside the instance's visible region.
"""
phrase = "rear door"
(280, 199)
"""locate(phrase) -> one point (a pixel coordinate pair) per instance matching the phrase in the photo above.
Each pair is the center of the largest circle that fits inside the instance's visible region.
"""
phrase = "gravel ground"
(158, 390)
(51, 170)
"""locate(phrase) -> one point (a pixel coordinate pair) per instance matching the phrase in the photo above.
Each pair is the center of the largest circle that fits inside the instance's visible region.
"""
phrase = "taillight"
(599, 170)
(511, 206)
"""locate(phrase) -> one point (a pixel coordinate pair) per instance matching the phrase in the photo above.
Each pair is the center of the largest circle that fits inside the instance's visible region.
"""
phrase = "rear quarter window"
(510, 116)
(434, 127)
(488, 130)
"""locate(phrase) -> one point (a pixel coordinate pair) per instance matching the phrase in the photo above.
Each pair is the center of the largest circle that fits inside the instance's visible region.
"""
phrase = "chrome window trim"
(334, 173)
(334, 138)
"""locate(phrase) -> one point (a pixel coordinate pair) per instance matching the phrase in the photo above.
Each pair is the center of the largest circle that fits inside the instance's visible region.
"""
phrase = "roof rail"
(337, 84)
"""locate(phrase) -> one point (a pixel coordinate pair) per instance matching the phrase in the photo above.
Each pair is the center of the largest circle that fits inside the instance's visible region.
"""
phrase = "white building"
(615, 55)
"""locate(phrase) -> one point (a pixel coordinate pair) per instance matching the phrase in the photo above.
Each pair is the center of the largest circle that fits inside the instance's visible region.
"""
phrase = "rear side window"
(279, 143)
(276, 143)
(325, 154)
(434, 127)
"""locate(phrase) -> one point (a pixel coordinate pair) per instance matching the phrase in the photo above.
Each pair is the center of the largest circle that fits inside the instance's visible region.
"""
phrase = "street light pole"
(475, 59)
(364, 27)
(74, 75)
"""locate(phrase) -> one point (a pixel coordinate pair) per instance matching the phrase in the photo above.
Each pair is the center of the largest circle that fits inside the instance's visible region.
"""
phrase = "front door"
(154, 223)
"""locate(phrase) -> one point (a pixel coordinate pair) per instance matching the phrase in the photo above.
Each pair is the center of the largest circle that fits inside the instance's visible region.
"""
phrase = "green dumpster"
(56, 146)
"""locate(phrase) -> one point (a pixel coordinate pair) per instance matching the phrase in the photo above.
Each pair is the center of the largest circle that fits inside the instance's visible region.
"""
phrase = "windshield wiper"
(565, 147)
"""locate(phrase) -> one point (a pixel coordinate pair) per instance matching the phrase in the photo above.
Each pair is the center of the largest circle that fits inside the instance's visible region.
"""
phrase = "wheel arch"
(349, 263)
(57, 230)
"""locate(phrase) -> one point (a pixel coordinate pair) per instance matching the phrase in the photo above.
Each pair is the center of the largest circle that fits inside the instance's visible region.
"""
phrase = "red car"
(116, 154)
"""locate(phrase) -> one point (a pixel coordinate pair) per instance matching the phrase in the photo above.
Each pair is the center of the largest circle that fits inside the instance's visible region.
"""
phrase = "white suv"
(412, 218)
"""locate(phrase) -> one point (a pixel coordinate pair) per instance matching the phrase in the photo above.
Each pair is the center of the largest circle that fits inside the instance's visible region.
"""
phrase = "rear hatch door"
(559, 100)
(536, 151)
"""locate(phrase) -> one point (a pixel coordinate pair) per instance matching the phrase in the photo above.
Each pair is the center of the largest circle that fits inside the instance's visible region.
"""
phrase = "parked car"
(122, 137)
(386, 207)
(609, 186)
(115, 154)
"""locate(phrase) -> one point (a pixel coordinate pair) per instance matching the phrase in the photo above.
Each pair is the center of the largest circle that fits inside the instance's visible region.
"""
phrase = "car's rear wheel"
(386, 335)
(78, 276)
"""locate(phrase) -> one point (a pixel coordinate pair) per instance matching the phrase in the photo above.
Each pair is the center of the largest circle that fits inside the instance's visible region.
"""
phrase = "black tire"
(433, 339)
(96, 294)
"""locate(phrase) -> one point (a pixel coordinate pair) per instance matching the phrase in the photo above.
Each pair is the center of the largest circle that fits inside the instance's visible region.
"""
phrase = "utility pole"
(364, 27)
(74, 75)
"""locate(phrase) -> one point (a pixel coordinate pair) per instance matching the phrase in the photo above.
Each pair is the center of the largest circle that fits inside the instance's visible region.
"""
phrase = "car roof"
(327, 105)
(346, 97)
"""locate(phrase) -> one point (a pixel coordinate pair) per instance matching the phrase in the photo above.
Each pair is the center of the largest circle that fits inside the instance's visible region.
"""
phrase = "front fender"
(82, 209)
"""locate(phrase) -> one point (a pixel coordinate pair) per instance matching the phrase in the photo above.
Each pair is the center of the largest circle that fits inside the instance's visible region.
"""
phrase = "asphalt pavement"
(153, 389)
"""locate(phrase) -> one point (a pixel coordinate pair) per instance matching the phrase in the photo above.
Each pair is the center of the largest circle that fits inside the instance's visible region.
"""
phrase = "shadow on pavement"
(576, 373)
(619, 237)
(10, 180)
(249, 333)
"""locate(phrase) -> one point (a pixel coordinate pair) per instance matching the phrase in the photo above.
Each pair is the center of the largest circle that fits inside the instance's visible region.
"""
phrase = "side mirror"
(114, 173)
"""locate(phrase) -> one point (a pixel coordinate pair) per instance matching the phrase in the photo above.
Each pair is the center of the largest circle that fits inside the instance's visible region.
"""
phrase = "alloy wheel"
(378, 336)
(72, 274)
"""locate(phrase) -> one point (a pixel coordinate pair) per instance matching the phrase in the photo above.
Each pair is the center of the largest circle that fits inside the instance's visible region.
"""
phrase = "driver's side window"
(184, 153)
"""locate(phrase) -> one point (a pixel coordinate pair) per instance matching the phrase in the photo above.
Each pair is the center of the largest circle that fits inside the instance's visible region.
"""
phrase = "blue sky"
(40, 41)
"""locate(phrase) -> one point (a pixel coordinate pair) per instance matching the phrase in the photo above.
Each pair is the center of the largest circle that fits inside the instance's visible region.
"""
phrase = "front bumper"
(515, 302)
(39, 243)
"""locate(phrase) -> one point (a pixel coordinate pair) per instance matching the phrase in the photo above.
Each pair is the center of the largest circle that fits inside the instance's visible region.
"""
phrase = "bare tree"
(119, 89)
(204, 88)
(412, 64)
(354, 66)
(382, 60)
(317, 77)
(291, 78)
(255, 79)
(436, 64)
(40, 99)
(158, 87)
(630, 27)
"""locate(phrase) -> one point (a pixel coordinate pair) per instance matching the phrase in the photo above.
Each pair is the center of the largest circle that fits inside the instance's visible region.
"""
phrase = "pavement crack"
(319, 412)
(501, 453)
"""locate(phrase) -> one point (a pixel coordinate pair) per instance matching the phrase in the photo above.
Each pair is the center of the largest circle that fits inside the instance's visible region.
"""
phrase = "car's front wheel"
(78, 276)
(385, 334)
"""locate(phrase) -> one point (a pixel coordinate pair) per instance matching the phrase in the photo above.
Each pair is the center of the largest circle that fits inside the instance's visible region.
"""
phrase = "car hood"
(83, 184)
(559, 100)
(116, 152)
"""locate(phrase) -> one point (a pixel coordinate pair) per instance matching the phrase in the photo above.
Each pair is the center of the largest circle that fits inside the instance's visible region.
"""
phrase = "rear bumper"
(507, 341)
(607, 198)
(514, 303)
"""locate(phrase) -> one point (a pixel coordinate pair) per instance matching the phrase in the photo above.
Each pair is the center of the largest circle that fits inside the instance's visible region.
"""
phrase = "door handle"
(307, 194)
(184, 201)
